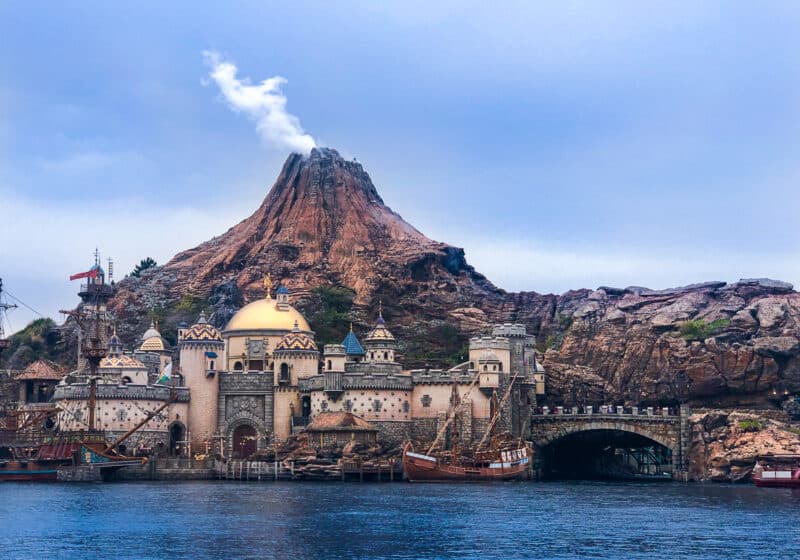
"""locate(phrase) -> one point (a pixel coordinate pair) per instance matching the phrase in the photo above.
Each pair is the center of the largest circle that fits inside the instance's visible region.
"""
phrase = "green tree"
(143, 265)
(331, 312)
(39, 339)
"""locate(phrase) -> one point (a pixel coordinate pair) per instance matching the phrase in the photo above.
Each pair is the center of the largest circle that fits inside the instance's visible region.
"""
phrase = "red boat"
(777, 477)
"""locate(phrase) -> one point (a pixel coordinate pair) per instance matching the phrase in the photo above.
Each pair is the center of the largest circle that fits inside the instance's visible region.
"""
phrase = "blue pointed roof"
(352, 345)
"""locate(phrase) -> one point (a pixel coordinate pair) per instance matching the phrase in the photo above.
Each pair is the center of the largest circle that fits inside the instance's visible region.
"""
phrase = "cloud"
(265, 104)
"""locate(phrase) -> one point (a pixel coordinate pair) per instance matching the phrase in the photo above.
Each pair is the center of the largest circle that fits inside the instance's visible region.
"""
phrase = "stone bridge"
(666, 427)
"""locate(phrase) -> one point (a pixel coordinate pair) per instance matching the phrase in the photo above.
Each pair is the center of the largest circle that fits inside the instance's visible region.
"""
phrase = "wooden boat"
(503, 464)
(65, 450)
(506, 458)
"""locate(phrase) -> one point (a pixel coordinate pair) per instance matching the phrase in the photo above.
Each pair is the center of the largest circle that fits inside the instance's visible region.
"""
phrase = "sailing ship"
(28, 454)
(41, 462)
(503, 458)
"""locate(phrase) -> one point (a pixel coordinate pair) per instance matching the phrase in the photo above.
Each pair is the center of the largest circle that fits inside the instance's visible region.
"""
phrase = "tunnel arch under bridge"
(665, 435)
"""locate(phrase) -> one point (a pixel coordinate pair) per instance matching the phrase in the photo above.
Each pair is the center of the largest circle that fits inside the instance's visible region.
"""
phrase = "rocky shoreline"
(725, 444)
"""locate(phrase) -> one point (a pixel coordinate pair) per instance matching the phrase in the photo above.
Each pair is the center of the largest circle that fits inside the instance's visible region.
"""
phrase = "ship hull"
(28, 472)
(425, 468)
(789, 483)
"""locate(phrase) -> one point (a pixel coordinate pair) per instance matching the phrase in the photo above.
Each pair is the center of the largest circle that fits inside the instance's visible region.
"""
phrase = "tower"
(201, 350)
(94, 294)
(380, 342)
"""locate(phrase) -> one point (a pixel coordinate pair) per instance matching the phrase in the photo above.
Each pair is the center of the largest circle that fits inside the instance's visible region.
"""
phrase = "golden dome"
(267, 314)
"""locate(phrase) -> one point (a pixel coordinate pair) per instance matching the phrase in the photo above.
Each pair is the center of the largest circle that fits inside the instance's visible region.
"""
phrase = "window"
(211, 365)
(386, 355)
(238, 366)
(330, 365)
(284, 372)
(426, 401)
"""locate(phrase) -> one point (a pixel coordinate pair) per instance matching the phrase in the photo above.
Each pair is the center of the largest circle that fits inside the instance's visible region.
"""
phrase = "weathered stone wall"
(394, 433)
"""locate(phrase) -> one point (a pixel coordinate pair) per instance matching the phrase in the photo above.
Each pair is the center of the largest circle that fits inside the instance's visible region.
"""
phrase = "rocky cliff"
(325, 232)
(725, 446)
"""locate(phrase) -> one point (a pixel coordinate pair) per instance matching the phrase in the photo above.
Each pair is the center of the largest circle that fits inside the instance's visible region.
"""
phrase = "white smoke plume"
(264, 103)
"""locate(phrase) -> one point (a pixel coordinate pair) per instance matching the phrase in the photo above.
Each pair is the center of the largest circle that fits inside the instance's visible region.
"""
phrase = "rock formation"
(323, 224)
(725, 445)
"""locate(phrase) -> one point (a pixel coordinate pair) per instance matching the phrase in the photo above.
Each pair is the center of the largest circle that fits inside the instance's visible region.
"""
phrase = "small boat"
(776, 477)
(506, 458)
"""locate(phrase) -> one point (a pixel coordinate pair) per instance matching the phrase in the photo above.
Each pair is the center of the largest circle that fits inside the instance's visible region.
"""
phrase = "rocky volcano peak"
(323, 223)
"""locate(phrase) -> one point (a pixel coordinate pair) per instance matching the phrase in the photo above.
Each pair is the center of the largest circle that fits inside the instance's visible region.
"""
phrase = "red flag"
(88, 274)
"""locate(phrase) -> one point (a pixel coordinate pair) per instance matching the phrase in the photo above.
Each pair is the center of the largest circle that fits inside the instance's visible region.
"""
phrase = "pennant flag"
(166, 377)
(88, 274)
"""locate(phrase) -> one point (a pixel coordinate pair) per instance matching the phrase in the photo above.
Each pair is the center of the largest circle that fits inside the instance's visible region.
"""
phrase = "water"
(309, 521)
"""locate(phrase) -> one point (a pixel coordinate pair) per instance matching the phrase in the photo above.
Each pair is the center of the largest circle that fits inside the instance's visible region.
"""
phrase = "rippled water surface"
(300, 521)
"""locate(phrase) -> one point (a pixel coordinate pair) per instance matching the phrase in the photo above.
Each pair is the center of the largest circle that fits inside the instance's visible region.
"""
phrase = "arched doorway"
(177, 434)
(245, 441)
(305, 406)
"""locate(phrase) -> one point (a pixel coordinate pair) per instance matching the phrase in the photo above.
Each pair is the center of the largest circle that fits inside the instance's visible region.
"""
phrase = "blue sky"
(564, 145)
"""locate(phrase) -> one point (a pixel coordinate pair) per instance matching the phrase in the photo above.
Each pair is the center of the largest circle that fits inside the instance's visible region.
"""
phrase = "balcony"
(333, 383)
(489, 381)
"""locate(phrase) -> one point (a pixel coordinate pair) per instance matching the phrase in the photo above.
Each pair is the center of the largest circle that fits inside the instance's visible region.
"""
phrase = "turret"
(380, 342)
(201, 349)
(334, 357)
(296, 357)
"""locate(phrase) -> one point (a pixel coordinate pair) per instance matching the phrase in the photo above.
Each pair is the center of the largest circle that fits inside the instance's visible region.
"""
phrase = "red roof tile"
(44, 370)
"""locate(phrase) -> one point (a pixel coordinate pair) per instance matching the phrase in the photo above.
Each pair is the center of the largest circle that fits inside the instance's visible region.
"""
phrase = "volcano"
(324, 231)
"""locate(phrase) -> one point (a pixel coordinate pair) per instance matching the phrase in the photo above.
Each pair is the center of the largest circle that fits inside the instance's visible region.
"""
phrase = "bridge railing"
(607, 410)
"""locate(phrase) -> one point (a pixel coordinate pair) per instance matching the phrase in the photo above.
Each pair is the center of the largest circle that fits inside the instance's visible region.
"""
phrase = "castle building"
(262, 378)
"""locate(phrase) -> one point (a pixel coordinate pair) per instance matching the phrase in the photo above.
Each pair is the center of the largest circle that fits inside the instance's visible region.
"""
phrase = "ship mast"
(94, 294)
(4, 307)
(496, 415)
(454, 411)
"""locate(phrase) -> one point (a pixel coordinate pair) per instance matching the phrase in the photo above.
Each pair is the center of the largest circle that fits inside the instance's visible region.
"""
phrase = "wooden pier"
(361, 471)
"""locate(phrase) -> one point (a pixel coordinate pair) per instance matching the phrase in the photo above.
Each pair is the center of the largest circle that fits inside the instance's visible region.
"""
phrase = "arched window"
(485, 367)
(372, 355)
(386, 355)
(238, 366)
(126, 380)
(500, 367)
(284, 372)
